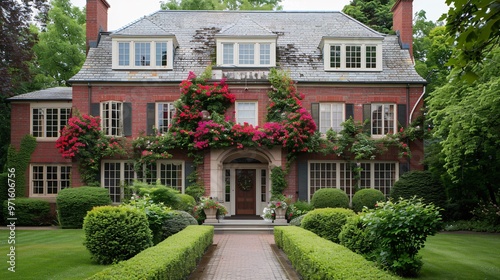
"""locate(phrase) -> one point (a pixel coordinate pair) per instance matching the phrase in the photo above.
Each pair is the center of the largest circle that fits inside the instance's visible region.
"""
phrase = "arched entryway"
(240, 178)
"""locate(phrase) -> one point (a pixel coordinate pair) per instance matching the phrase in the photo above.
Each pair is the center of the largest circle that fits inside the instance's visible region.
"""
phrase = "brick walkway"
(242, 256)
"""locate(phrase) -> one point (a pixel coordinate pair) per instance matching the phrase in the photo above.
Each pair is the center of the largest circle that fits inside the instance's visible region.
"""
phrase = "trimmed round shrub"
(186, 203)
(330, 197)
(74, 203)
(366, 197)
(355, 237)
(165, 195)
(177, 221)
(30, 212)
(421, 184)
(114, 234)
(327, 222)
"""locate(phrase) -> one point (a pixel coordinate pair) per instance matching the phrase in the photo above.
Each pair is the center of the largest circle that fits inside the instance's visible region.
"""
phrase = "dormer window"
(352, 54)
(246, 52)
(141, 53)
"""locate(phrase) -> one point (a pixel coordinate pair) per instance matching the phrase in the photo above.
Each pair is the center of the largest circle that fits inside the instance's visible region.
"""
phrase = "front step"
(244, 225)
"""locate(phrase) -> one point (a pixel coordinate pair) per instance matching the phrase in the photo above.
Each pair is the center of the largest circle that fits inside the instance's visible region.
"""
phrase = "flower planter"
(280, 215)
(211, 214)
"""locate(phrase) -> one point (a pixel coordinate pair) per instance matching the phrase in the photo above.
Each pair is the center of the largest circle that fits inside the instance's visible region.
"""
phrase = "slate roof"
(299, 35)
(50, 94)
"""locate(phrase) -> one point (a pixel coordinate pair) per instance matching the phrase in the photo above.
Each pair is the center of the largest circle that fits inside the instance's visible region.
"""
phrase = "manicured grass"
(47, 254)
(462, 255)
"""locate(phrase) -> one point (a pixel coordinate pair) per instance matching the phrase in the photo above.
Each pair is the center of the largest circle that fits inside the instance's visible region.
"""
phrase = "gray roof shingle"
(299, 35)
(50, 94)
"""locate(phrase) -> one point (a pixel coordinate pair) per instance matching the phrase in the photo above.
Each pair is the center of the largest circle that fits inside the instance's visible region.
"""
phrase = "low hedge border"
(316, 258)
(174, 258)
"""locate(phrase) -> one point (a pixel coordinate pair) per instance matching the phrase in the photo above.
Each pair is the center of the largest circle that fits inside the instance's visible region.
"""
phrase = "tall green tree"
(221, 5)
(16, 43)
(474, 25)
(374, 13)
(465, 117)
(60, 51)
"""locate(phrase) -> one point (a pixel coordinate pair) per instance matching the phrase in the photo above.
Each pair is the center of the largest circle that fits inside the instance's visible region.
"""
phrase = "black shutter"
(150, 118)
(315, 114)
(95, 109)
(402, 119)
(302, 180)
(127, 119)
(404, 167)
(349, 111)
(367, 113)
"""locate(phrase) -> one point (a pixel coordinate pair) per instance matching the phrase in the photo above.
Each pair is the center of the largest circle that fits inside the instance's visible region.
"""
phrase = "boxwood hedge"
(317, 258)
(174, 258)
(30, 212)
(74, 203)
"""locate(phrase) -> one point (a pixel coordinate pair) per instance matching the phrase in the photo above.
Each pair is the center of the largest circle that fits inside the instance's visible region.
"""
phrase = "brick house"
(131, 79)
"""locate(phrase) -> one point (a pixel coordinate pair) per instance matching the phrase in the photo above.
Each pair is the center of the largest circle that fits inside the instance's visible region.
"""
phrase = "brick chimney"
(97, 21)
(403, 23)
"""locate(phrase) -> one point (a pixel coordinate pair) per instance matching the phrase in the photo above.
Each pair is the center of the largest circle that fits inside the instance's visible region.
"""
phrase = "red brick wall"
(19, 123)
(97, 19)
(403, 21)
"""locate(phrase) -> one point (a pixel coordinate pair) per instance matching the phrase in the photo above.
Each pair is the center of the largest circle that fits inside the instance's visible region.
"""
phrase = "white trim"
(256, 111)
(109, 120)
(45, 106)
(44, 165)
(342, 114)
(327, 43)
(237, 42)
(132, 41)
(395, 119)
(157, 119)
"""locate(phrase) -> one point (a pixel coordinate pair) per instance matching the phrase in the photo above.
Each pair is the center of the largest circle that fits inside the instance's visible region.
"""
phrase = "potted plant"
(212, 209)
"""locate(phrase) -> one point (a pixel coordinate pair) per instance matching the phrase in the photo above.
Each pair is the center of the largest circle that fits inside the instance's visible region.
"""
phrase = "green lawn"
(47, 254)
(461, 256)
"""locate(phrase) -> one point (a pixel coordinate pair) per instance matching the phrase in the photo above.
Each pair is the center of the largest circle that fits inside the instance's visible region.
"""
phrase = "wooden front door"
(245, 191)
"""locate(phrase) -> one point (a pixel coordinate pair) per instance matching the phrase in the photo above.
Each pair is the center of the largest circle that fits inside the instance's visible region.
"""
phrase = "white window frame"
(383, 121)
(45, 180)
(375, 183)
(236, 52)
(107, 122)
(132, 43)
(256, 112)
(156, 174)
(342, 118)
(123, 179)
(337, 180)
(45, 107)
(363, 43)
(159, 119)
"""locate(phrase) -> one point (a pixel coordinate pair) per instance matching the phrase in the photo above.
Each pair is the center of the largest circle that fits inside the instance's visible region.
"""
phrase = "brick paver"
(242, 256)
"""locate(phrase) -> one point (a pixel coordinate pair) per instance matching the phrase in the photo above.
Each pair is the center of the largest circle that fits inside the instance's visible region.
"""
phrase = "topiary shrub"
(355, 237)
(74, 203)
(114, 234)
(366, 198)
(165, 195)
(421, 184)
(330, 197)
(30, 212)
(186, 203)
(327, 222)
(175, 222)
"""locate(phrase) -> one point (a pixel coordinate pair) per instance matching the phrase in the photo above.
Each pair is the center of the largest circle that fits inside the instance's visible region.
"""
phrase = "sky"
(123, 12)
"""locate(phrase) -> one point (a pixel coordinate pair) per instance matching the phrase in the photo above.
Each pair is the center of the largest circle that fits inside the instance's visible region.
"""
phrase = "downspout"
(408, 120)
(89, 88)
(418, 101)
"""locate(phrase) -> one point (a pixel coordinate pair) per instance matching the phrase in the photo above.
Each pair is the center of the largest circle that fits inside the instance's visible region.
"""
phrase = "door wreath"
(245, 182)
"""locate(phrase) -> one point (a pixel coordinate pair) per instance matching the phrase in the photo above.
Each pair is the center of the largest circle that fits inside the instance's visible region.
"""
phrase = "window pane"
(246, 54)
(37, 179)
(165, 113)
(124, 54)
(322, 175)
(335, 56)
(227, 182)
(353, 56)
(246, 112)
(65, 177)
(265, 54)
(263, 185)
(112, 118)
(228, 53)
(385, 176)
(371, 56)
(38, 123)
(377, 119)
(389, 119)
(112, 178)
(52, 179)
(171, 175)
(161, 54)
(142, 54)
(331, 116)
(52, 122)
(365, 175)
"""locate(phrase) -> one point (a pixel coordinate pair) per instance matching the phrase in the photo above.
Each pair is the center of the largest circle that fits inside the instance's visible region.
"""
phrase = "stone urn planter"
(280, 215)
(211, 214)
